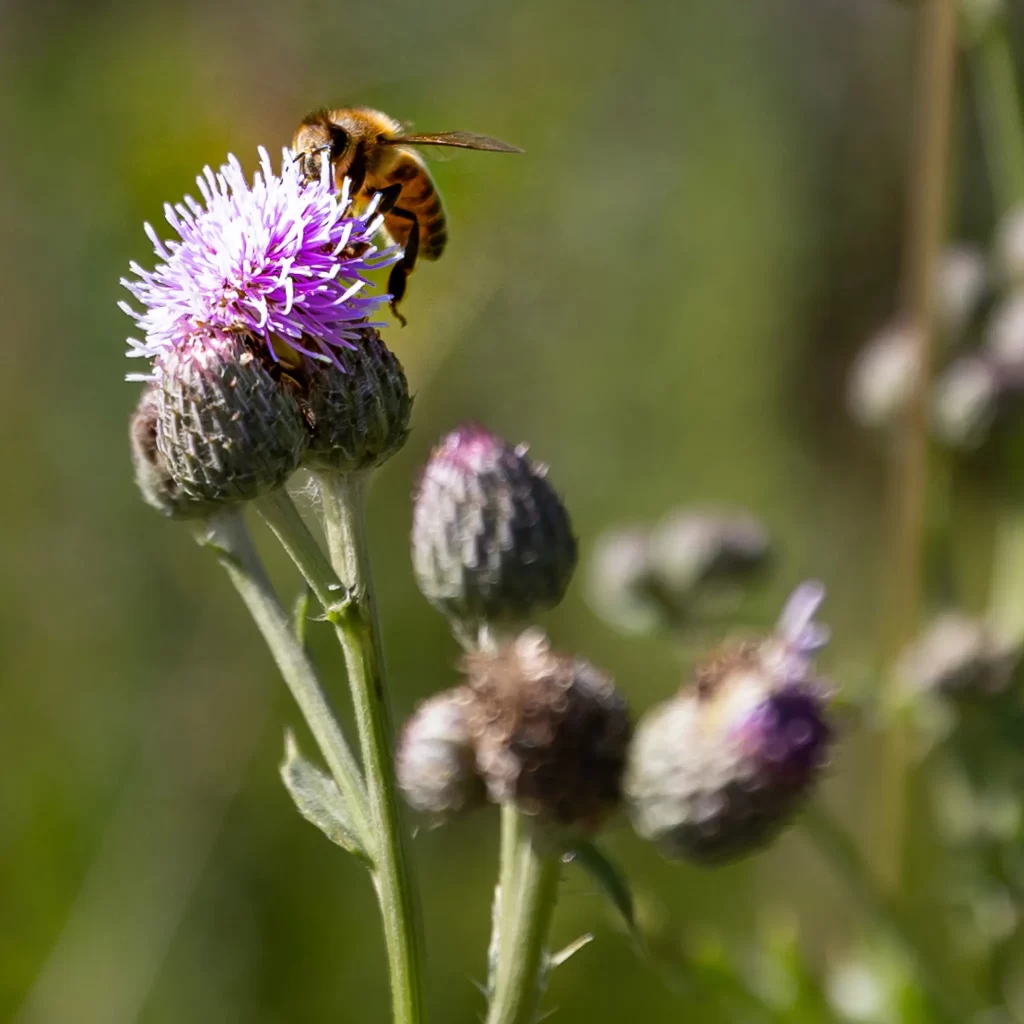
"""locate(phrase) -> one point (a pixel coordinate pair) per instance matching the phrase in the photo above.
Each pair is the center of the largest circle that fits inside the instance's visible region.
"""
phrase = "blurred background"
(662, 296)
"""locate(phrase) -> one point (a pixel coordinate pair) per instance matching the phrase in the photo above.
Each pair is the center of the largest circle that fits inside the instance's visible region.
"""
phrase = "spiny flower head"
(280, 260)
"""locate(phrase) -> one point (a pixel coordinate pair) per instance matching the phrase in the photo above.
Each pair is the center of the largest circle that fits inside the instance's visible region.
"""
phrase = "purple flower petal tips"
(280, 260)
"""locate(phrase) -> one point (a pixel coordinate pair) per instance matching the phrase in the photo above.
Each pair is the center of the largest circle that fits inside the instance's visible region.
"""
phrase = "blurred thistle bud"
(621, 585)
(883, 377)
(1004, 341)
(226, 430)
(694, 548)
(959, 657)
(550, 731)
(490, 538)
(435, 761)
(1009, 254)
(961, 287)
(965, 402)
(719, 769)
(358, 411)
(641, 579)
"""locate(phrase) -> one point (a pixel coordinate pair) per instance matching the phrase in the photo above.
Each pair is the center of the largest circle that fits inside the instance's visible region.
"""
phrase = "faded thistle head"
(263, 291)
(550, 731)
(491, 539)
(719, 769)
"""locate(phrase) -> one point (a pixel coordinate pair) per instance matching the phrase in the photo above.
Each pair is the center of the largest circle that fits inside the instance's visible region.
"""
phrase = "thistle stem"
(839, 849)
(343, 499)
(525, 916)
(910, 468)
(227, 536)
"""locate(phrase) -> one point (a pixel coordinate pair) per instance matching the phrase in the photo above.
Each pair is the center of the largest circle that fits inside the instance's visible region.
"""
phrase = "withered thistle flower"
(435, 760)
(490, 538)
(550, 731)
(719, 769)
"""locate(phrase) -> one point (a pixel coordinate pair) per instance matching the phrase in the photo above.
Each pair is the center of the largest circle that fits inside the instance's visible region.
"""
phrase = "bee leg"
(401, 270)
(388, 197)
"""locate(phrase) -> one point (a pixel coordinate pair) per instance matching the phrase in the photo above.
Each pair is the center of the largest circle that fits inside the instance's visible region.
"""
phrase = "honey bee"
(370, 149)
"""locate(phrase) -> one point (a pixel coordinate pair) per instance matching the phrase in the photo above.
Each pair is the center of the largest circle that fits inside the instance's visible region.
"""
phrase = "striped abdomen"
(419, 197)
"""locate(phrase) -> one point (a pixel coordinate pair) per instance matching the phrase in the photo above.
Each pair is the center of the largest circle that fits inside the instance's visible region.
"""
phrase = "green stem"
(229, 539)
(999, 111)
(530, 906)
(927, 201)
(838, 847)
(343, 499)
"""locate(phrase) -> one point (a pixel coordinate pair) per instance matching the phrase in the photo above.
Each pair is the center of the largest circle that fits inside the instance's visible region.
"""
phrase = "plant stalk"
(909, 473)
(227, 536)
(343, 499)
(525, 916)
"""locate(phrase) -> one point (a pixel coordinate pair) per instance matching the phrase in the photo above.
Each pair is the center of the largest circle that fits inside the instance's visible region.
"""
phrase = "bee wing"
(463, 140)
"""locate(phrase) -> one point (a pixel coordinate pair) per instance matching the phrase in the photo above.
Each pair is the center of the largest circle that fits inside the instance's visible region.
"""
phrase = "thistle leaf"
(318, 799)
(612, 881)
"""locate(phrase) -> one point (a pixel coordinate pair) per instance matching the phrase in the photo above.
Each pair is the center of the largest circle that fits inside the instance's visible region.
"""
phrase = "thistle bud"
(226, 430)
(699, 547)
(435, 759)
(359, 413)
(966, 402)
(550, 732)
(959, 657)
(151, 476)
(720, 768)
(883, 377)
(621, 580)
(490, 538)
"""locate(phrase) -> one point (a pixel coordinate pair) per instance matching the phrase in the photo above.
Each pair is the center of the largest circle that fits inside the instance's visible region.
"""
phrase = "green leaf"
(611, 879)
(318, 799)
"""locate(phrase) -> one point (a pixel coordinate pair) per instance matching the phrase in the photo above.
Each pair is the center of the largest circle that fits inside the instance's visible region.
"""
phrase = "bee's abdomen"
(419, 197)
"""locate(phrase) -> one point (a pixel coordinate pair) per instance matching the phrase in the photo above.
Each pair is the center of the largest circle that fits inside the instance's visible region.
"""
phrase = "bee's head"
(318, 137)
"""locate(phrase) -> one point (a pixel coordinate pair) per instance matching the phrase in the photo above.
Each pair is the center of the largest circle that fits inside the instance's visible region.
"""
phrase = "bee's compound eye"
(339, 142)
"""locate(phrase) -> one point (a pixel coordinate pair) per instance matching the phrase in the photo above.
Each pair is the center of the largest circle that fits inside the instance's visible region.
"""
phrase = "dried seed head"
(550, 732)
(226, 431)
(490, 538)
(358, 413)
(959, 657)
(435, 759)
(719, 769)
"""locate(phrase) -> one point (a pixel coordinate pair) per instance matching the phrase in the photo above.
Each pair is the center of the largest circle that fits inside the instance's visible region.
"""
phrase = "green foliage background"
(661, 296)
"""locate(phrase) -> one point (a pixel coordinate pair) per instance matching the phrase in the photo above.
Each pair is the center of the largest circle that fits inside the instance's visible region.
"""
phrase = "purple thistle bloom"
(281, 260)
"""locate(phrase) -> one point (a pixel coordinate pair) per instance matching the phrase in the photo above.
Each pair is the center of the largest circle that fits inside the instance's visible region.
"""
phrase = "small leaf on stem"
(319, 800)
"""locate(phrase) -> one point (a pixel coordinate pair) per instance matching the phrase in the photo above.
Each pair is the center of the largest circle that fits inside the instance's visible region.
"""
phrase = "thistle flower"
(490, 538)
(280, 261)
(720, 768)
(435, 761)
(550, 731)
